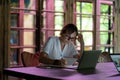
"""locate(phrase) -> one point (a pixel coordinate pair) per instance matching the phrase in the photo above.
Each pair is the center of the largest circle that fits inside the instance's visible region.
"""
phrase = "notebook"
(69, 64)
(116, 60)
(88, 60)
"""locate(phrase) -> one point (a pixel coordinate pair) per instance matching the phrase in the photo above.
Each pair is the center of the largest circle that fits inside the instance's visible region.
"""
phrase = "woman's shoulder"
(53, 38)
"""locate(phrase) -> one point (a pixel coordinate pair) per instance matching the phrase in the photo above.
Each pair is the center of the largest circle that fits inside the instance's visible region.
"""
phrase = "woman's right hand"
(61, 62)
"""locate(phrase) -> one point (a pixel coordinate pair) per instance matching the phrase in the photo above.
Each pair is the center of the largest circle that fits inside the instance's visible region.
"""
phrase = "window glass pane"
(57, 33)
(44, 4)
(104, 19)
(14, 3)
(78, 22)
(88, 41)
(29, 21)
(28, 38)
(104, 23)
(106, 38)
(84, 19)
(14, 38)
(85, 8)
(103, 37)
(59, 5)
(87, 24)
(104, 9)
(14, 20)
(29, 4)
(58, 24)
(78, 7)
(84, 23)
(31, 50)
(13, 56)
(59, 17)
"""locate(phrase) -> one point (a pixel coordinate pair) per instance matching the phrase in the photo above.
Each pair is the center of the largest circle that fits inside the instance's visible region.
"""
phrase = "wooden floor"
(14, 78)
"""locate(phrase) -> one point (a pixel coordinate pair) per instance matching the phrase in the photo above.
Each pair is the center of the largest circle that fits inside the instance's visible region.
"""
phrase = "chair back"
(29, 59)
(104, 57)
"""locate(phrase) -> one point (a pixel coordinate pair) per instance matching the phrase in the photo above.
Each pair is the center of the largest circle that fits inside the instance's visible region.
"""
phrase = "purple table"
(103, 71)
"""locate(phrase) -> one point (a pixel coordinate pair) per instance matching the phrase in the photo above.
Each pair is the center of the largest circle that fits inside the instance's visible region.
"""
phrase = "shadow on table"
(73, 72)
(115, 75)
(87, 71)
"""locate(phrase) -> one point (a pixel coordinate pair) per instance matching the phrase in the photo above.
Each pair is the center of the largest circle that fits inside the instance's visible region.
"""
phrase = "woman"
(57, 48)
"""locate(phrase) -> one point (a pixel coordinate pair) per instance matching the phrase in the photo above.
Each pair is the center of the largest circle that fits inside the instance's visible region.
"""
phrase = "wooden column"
(117, 27)
(96, 23)
(39, 25)
(69, 11)
(4, 35)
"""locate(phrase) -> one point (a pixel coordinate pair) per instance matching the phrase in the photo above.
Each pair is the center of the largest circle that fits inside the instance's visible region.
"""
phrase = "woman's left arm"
(80, 39)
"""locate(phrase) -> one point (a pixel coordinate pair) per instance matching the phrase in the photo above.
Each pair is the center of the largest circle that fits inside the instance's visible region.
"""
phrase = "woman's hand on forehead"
(80, 37)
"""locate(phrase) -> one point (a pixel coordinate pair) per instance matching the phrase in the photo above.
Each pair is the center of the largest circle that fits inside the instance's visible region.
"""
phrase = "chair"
(29, 59)
(104, 57)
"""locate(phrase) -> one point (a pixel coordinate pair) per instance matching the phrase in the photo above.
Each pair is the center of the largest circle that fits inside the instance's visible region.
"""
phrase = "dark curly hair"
(69, 28)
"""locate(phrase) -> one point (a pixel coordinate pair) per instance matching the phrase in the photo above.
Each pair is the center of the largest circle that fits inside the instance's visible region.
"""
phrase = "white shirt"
(54, 51)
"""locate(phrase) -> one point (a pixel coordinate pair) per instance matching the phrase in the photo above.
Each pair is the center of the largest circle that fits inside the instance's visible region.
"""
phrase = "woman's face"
(68, 37)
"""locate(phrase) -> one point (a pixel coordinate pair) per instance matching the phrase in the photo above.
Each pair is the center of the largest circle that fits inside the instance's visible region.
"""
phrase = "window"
(23, 15)
(84, 22)
(106, 27)
(96, 27)
(53, 17)
(84, 19)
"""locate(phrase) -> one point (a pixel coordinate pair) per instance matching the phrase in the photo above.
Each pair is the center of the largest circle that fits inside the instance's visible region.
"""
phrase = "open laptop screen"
(116, 60)
(89, 59)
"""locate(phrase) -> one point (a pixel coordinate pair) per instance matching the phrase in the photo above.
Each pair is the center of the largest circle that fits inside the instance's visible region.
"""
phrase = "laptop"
(88, 60)
(116, 60)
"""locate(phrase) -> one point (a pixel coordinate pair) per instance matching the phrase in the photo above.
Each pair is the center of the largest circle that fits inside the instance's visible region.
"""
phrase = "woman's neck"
(62, 41)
